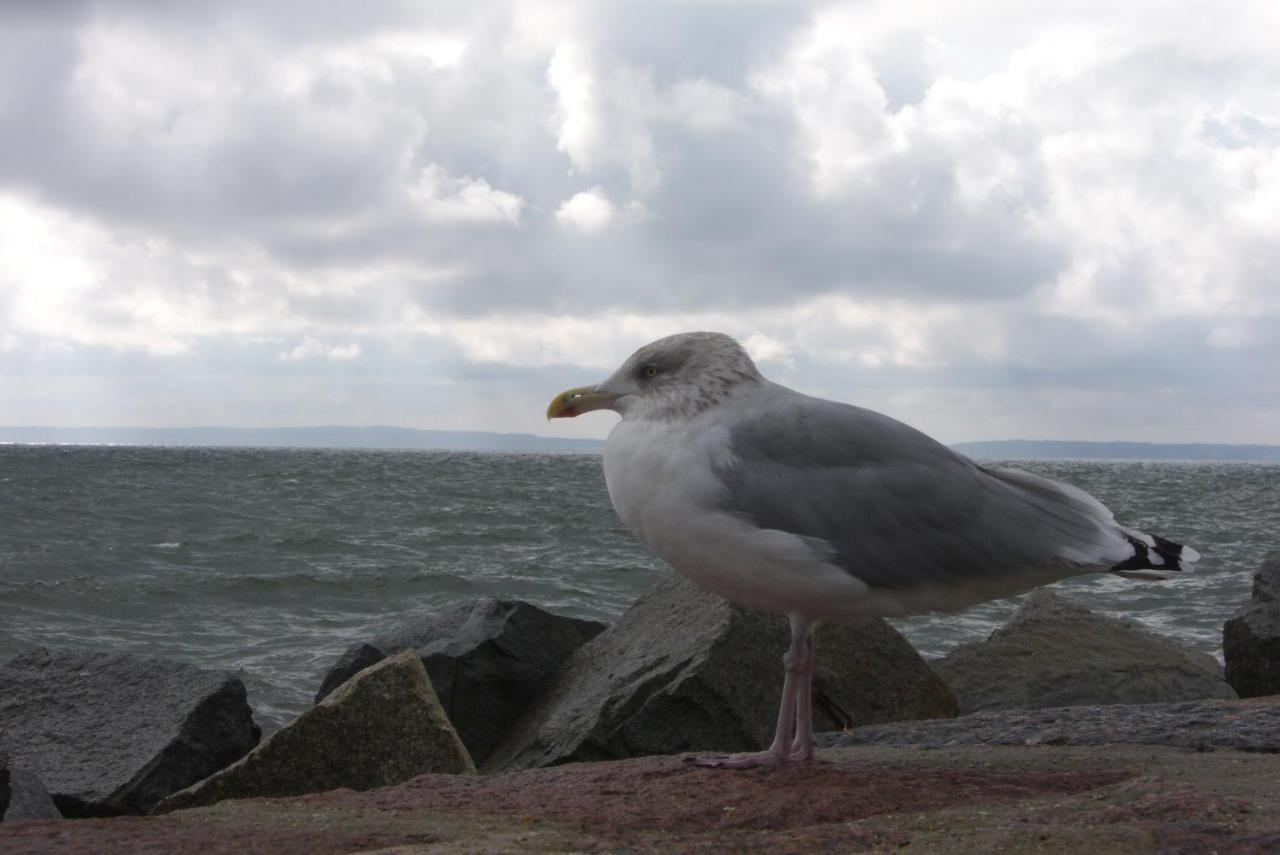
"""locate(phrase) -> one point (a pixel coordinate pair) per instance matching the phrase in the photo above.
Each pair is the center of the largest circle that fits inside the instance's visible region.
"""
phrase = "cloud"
(588, 211)
(445, 199)
(888, 203)
(310, 348)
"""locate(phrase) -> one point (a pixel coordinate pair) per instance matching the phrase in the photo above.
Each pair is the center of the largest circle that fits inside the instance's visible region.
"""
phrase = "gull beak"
(575, 402)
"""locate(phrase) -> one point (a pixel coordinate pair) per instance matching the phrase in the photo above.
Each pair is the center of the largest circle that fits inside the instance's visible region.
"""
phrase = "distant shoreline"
(413, 439)
(1052, 449)
(328, 436)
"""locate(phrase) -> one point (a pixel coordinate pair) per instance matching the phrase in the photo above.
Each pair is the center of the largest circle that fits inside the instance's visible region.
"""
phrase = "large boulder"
(1055, 654)
(1251, 639)
(485, 658)
(114, 734)
(382, 727)
(684, 670)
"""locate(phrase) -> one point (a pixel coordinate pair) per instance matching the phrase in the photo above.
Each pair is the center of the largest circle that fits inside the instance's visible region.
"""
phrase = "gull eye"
(650, 371)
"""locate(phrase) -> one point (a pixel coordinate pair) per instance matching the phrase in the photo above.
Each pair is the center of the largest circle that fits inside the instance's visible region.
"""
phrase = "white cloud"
(841, 110)
(571, 79)
(835, 330)
(311, 348)
(589, 211)
(57, 283)
(603, 117)
(445, 199)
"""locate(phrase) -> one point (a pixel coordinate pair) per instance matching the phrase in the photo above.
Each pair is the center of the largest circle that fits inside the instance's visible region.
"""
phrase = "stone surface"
(684, 670)
(4, 782)
(1053, 654)
(485, 658)
(1251, 639)
(984, 798)
(382, 727)
(111, 734)
(29, 799)
(1198, 725)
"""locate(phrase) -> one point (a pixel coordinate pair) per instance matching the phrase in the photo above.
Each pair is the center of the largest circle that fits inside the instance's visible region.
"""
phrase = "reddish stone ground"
(665, 794)
(1113, 799)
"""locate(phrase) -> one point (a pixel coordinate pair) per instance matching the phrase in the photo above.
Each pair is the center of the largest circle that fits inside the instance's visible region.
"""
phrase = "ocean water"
(273, 560)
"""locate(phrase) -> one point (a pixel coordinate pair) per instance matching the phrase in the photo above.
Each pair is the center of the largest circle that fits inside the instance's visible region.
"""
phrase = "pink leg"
(802, 747)
(798, 665)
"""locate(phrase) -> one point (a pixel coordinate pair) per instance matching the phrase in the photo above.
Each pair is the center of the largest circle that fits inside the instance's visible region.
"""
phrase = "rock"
(113, 734)
(352, 661)
(29, 799)
(1055, 654)
(5, 792)
(1251, 639)
(382, 727)
(684, 670)
(485, 658)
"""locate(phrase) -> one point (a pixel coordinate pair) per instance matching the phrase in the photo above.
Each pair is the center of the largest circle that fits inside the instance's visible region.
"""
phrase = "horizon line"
(497, 432)
(392, 437)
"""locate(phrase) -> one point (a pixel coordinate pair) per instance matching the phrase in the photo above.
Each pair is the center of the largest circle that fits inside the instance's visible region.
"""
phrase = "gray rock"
(113, 734)
(1053, 654)
(1251, 639)
(382, 727)
(485, 658)
(29, 799)
(5, 792)
(684, 670)
(352, 661)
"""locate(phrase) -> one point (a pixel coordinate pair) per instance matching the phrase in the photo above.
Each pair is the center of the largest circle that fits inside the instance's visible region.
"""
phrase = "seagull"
(819, 510)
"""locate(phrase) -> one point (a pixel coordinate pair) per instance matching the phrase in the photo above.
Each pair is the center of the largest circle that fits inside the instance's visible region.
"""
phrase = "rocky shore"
(1112, 799)
(1074, 731)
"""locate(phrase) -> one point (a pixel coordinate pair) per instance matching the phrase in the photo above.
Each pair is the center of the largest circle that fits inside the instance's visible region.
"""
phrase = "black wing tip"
(1165, 556)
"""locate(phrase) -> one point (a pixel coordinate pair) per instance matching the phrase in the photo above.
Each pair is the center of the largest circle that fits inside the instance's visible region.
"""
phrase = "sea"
(272, 561)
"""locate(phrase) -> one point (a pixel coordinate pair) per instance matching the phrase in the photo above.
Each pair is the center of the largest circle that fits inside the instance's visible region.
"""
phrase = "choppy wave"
(274, 560)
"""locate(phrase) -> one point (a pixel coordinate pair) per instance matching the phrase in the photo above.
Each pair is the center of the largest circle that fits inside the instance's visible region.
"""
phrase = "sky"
(990, 220)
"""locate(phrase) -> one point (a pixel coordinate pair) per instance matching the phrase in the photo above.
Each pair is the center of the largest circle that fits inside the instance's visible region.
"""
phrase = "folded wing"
(899, 510)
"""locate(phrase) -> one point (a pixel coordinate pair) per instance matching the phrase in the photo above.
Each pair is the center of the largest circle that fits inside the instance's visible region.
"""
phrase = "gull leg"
(799, 656)
(802, 747)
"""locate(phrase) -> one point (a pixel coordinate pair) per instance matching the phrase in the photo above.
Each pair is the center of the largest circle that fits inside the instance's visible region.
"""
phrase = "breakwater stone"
(382, 727)
(1052, 653)
(486, 659)
(1251, 639)
(112, 734)
(684, 670)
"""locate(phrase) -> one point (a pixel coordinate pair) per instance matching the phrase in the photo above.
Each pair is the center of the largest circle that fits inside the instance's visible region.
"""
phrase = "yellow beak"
(575, 402)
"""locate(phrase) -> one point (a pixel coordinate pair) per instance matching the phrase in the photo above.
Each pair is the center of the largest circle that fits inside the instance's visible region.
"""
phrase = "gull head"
(674, 377)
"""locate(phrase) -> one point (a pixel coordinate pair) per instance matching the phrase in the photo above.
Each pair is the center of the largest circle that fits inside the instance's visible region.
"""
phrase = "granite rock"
(1251, 639)
(382, 727)
(1053, 654)
(684, 670)
(485, 658)
(113, 734)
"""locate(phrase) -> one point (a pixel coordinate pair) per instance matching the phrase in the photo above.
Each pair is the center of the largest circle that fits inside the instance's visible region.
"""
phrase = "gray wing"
(899, 510)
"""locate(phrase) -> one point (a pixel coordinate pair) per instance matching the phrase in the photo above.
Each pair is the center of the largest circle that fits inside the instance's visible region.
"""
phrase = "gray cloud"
(194, 190)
